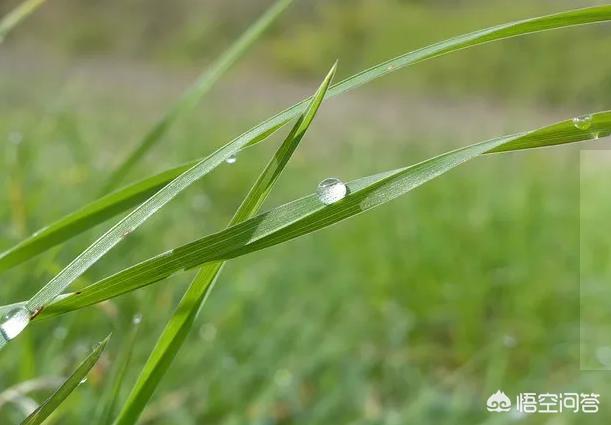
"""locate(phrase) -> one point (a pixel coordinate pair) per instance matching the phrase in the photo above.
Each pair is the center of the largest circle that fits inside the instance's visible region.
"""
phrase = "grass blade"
(181, 321)
(92, 214)
(191, 97)
(113, 390)
(16, 15)
(308, 214)
(105, 208)
(138, 216)
(49, 406)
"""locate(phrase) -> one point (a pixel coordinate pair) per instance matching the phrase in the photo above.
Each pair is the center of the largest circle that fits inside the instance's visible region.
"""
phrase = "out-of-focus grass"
(399, 320)
(465, 286)
(315, 32)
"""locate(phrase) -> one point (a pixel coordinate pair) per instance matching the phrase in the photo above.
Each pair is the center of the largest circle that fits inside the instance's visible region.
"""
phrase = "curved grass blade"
(191, 97)
(87, 217)
(308, 214)
(180, 323)
(133, 220)
(16, 15)
(125, 199)
(49, 406)
(93, 214)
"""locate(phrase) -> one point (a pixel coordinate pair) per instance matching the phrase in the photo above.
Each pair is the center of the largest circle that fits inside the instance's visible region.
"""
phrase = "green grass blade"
(101, 210)
(49, 406)
(86, 217)
(181, 321)
(133, 220)
(16, 15)
(308, 214)
(129, 197)
(93, 214)
(122, 366)
(191, 97)
(588, 15)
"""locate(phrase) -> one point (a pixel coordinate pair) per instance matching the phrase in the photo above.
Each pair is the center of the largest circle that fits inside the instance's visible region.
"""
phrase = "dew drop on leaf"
(583, 122)
(331, 190)
(231, 159)
(14, 322)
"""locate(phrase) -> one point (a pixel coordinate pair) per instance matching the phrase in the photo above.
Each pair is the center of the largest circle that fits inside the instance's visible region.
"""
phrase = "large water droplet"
(14, 322)
(331, 190)
(231, 159)
(583, 122)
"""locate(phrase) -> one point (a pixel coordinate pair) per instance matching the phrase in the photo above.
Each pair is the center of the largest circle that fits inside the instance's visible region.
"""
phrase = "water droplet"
(14, 322)
(595, 135)
(231, 159)
(331, 190)
(137, 319)
(83, 380)
(583, 122)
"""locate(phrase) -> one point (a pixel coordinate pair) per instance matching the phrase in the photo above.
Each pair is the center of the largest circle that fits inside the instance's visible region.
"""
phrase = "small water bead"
(331, 190)
(231, 159)
(83, 380)
(583, 122)
(137, 319)
(14, 322)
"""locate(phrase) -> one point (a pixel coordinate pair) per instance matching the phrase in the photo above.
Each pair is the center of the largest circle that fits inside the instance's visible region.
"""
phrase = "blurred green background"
(413, 313)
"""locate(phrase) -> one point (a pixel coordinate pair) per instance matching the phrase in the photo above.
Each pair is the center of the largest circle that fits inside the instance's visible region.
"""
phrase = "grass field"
(413, 313)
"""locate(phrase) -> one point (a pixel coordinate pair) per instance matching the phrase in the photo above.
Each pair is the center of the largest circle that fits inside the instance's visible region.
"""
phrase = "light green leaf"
(52, 403)
(308, 214)
(193, 94)
(17, 15)
(122, 200)
(181, 321)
